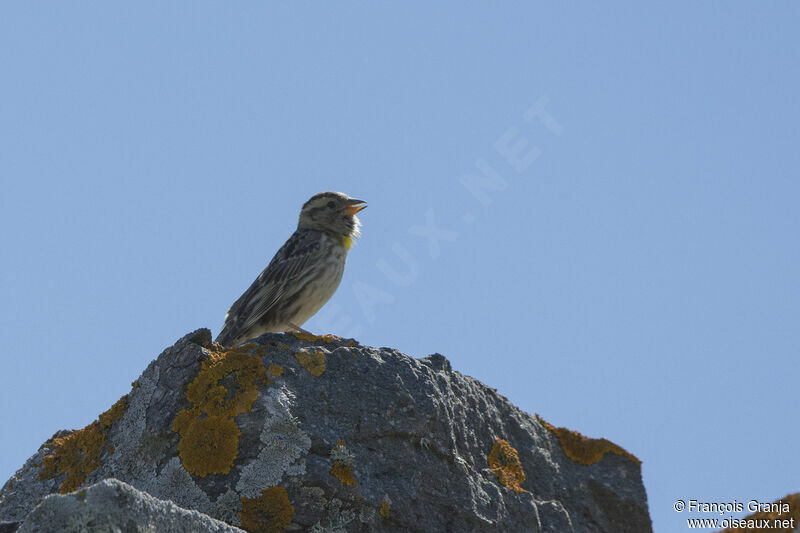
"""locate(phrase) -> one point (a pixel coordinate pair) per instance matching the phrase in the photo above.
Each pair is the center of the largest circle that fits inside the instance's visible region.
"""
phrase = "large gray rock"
(323, 434)
(112, 505)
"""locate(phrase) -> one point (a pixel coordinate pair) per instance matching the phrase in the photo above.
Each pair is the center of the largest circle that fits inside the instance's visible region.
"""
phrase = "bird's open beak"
(354, 206)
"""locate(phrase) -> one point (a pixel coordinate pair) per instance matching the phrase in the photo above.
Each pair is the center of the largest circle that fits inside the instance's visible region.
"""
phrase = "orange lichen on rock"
(209, 445)
(78, 454)
(227, 385)
(310, 337)
(385, 509)
(343, 463)
(275, 370)
(584, 450)
(108, 418)
(782, 515)
(313, 361)
(504, 462)
(270, 512)
(208, 392)
(344, 473)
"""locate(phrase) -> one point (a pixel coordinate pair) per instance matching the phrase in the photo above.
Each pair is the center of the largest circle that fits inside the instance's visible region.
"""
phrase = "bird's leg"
(300, 330)
(311, 336)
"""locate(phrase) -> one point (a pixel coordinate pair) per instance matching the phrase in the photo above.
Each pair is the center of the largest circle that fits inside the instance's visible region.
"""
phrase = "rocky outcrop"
(322, 434)
(111, 505)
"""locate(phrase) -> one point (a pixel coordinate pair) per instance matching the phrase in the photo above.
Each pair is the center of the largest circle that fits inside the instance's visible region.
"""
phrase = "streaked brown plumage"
(302, 276)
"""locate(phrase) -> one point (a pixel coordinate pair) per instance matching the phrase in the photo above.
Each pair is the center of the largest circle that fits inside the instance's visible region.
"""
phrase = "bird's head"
(332, 212)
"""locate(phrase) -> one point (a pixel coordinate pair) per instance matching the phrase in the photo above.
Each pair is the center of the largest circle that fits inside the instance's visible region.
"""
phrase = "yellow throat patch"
(347, 242)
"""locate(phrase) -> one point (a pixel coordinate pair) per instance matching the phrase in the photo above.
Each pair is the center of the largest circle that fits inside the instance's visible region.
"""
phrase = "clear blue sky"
(632, 271)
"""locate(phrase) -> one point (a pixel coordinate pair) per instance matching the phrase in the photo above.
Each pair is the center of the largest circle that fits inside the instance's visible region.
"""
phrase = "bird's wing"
(302, 248)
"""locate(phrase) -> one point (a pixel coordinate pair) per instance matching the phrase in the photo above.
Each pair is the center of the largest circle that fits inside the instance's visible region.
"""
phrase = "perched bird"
(302, 276)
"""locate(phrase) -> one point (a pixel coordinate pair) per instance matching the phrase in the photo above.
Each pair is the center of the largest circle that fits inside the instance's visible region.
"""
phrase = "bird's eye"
(331, 204)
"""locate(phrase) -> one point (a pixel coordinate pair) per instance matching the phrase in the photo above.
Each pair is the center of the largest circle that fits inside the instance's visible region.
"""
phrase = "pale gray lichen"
(283, 443)
(131, 461)
(341, 454)
(71, 509)
(25, 489)
(314, 497)
(176, 484)
(337, 518)
(128, 461)
(112, 505)
(366, 515)
(138, 452)
(227, 508)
